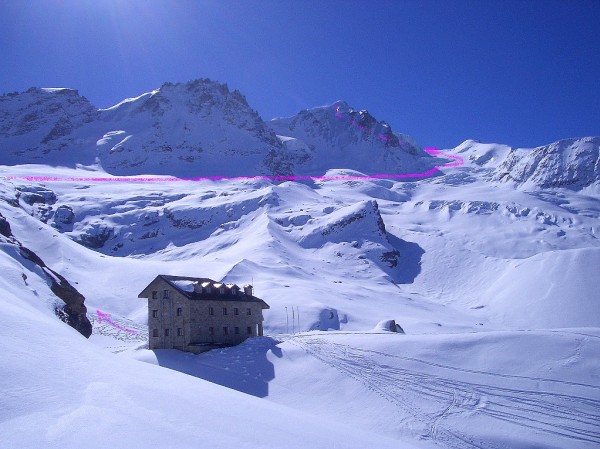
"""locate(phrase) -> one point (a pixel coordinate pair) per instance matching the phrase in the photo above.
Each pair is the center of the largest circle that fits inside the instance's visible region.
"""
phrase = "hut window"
(155, 332)
(154, 294)
(211, 311)
(237, 330)
(166, 332)
(211, 330)
(249, 330)
(165, 294)
(179, 332)
(155, 313)
(224, 310)
(236, 311)
(225, 331)
(179, 311)
(248, 311)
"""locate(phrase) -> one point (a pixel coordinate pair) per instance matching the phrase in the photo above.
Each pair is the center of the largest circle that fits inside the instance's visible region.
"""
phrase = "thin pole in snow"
(287, 321)
(293, 320)
(298, 317)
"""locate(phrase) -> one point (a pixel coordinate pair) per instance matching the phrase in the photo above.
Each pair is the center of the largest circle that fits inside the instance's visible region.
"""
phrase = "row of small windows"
(236, 311)
(211, 311)
(155, 312)
(211, 331)
(168, 332)
(165, 294)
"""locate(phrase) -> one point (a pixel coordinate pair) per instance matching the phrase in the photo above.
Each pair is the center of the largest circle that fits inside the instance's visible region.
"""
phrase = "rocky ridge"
(73, 311)
(194, 129)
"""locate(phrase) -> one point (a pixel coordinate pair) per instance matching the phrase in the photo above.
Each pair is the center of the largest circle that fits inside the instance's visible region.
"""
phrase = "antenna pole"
(287, 321)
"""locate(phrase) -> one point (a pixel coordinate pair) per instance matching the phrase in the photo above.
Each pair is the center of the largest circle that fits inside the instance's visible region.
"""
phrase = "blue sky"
(524, 73)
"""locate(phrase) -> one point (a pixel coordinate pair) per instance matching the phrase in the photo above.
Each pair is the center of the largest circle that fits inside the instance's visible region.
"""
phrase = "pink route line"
(106, 317)
(458, 161)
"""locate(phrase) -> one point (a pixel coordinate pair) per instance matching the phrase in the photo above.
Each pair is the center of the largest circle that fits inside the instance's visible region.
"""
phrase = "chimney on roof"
(248, 290)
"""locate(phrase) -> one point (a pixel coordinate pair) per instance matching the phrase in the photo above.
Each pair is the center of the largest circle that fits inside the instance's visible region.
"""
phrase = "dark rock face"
(96, 235)
(34, 194)
(5, 227)
(64, 215)
(390, 326)
(74, 311)
(391, 257)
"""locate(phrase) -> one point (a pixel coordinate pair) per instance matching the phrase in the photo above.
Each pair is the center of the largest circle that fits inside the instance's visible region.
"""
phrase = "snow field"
(60, 391)
(495, 287)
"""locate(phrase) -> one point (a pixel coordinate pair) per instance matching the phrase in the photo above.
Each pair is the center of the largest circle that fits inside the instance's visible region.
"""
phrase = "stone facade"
(198, 314)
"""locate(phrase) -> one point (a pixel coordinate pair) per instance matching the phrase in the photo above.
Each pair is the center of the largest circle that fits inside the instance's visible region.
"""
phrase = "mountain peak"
(199, 128)
(341, 136)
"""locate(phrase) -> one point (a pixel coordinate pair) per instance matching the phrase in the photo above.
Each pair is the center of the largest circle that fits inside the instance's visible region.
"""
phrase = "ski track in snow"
(574, 418)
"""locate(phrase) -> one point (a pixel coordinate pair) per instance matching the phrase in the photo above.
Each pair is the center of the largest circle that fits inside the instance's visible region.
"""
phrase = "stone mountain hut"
(198, 314)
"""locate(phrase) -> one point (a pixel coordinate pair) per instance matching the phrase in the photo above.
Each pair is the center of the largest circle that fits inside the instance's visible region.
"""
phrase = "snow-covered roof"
(186, 284)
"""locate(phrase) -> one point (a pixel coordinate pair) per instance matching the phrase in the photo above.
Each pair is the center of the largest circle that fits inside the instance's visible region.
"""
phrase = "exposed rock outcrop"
(73, 312)
(570, 163)
(389, 326)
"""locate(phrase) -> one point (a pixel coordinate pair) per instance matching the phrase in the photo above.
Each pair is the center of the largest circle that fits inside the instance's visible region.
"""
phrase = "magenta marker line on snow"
(106, 317)
(436, 152)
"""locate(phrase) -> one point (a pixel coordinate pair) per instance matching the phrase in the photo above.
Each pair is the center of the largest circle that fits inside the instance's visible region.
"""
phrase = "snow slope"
(320, 250)
(485, 249)
(59, 391)
(452, 391)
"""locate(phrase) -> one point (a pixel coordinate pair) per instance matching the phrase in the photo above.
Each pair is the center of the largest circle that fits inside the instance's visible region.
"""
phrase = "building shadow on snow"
(244, 368)
(409, 262)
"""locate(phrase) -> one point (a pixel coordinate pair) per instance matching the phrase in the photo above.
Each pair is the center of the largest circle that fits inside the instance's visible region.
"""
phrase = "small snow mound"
(389, 325)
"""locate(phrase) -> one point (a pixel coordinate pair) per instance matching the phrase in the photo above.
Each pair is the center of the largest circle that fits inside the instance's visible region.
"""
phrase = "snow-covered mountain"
(337, 136)
(490, 267)
(570, 163)
(45, 125)
(202, 129)
(196, 129)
